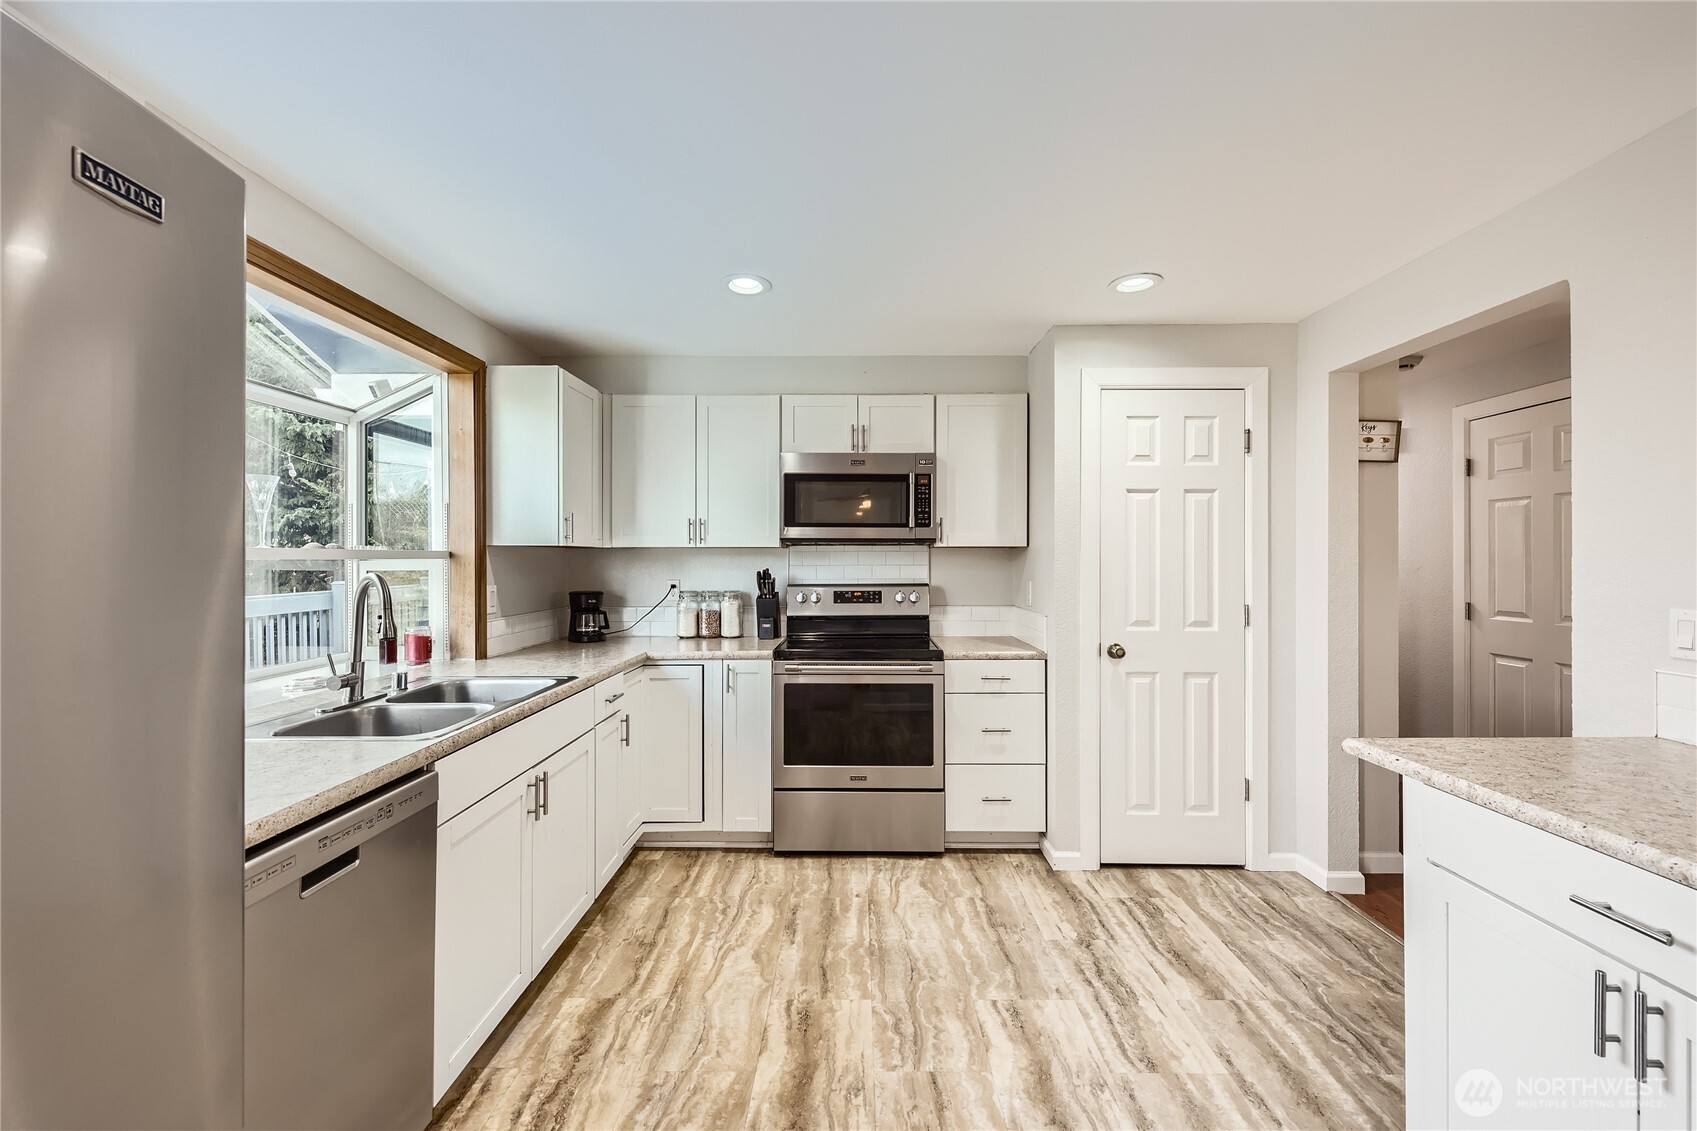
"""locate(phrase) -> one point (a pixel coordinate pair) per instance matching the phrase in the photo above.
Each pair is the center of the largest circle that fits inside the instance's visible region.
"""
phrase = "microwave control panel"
(922, 501)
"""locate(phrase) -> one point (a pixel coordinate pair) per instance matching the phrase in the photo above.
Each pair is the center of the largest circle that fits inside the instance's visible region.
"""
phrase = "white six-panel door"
(1520, 584)
(1173, 573)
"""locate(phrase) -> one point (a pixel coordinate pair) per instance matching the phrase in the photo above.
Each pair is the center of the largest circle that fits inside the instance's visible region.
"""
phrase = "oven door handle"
(858, 669)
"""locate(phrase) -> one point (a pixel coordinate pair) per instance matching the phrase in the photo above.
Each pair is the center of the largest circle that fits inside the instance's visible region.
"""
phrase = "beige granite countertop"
(291, 781)
(987, 648)
(1631, 798)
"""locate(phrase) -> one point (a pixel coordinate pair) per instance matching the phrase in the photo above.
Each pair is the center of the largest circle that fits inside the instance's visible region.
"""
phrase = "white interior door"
(1173, 581)
(1519, 572)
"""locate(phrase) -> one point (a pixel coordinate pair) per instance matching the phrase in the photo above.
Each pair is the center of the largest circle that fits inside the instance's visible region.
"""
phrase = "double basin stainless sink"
(430, 711)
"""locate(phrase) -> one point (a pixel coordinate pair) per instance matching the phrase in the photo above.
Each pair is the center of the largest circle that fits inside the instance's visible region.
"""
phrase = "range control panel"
(908, 599)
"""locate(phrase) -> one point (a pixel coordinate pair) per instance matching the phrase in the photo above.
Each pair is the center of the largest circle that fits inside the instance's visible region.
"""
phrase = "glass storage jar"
(689, 614)
(730, 615)
(710, 613)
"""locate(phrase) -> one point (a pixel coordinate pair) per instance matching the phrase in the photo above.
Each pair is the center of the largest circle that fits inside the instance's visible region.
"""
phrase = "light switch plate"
(1682, 634)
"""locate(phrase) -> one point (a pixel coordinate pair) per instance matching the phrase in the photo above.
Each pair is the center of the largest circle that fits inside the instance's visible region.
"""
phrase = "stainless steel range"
(857, 744)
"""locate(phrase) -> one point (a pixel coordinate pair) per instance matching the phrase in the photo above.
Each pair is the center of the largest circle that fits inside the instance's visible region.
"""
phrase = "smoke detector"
(1409, 361)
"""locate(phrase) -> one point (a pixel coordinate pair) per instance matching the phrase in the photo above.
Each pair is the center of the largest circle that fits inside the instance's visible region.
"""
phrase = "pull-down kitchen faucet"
(353, 681)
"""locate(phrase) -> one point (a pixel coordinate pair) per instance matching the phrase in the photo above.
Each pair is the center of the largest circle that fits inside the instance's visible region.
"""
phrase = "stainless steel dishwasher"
(340, 943)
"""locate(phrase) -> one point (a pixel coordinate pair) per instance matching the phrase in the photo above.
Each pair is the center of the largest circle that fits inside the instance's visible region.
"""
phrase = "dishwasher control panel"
(271, 869)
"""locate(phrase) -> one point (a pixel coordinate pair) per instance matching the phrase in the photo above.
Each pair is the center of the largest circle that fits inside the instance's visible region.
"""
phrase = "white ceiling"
(1499, 339)
(914, 178)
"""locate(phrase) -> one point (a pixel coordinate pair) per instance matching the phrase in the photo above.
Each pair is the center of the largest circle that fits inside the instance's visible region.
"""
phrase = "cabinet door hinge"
(1246, 441)
(1246, 789)
(1467, 467)
(1467, 610)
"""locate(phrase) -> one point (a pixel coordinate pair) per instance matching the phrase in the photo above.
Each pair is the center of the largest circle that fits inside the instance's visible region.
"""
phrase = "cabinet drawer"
(986, 799)
(994, 728)
(994, 675)
(478, 770)
(1539, 872)
(612, 694)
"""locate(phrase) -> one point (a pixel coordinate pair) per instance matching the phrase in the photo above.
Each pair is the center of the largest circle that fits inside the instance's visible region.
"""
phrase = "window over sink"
(346, 473)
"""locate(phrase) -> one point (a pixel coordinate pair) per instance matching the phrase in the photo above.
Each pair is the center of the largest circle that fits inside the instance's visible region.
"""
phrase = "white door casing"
(1173, 582)
(1519, 584)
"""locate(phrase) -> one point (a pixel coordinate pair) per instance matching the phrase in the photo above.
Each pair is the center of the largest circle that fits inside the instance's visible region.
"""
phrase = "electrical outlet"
(493, 607)
(677, 588)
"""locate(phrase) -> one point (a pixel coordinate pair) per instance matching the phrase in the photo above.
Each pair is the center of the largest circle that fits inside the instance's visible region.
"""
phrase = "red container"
(419, 644)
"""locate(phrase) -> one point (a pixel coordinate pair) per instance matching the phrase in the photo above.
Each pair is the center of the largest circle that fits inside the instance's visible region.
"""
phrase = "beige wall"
(1380, 788)
(1619, 237)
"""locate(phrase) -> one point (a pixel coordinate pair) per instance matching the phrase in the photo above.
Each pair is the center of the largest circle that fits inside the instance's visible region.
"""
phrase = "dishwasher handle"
(320, 878)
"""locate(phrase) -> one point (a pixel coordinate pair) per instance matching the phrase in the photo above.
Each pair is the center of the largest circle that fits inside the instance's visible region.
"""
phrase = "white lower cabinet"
(562, 847)
(668, 738)
(482, 889)
(1526, 1010)
(614, 799)
(514, 870)
(632, 721)
(995, 743)
(748, 746)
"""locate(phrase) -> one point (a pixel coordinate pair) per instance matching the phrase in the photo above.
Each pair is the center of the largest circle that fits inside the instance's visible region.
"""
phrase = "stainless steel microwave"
(858, 497)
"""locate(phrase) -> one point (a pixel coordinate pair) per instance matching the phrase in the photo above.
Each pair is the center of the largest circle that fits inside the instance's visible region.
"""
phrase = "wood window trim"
(468, 625)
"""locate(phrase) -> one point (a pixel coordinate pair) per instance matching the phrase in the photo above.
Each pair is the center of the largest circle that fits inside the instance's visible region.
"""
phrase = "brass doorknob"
(1115, 652)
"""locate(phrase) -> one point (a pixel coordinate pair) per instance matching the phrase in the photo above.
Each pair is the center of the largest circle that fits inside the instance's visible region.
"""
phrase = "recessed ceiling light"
(748, 284)
(1131, 284)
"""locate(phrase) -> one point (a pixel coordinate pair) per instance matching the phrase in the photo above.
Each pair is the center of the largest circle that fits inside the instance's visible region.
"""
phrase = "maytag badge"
(95, 174)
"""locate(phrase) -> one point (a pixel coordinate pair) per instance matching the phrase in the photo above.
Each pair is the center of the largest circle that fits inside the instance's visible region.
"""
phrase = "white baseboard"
(1062, 860)
(1345, 883)
(1381, 863)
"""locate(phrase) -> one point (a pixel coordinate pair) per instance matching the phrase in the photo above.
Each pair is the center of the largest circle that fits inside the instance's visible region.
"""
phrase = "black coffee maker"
(589, 621)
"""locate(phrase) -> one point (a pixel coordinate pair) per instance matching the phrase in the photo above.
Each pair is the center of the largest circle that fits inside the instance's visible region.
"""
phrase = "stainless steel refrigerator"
(121, 366)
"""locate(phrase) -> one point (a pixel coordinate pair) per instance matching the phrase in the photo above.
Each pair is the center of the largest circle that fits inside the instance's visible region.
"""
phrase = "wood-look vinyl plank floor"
(725, 989)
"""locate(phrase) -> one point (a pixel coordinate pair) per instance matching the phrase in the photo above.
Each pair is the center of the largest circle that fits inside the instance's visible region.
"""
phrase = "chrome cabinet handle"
(863, 446)
(692, 532)
(1641, 1062)
(730, 680)
(547, 793)
(624, 726)
(1608, 912)
(994, 730)
(1601, 1038)
(995, 799)
(853, 447)
(701, 531)
(534, 809)
(614, 698)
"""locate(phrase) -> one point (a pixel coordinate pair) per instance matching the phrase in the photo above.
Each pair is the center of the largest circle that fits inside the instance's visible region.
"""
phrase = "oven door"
(857, 726)
(847, 506)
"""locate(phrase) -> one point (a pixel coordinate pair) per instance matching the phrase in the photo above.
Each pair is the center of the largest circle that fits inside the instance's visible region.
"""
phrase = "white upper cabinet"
(544, 458)
(651, 465)
(847, 423)
(821, 423)
(902, 423)
(736, 471)
(981, 469)
(693, 471)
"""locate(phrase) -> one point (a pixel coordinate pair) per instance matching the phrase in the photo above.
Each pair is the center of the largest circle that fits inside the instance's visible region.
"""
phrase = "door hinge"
(1246, 616)
(1246, 441)
(1467, 610)
(1466, 467)
(1246, 789)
